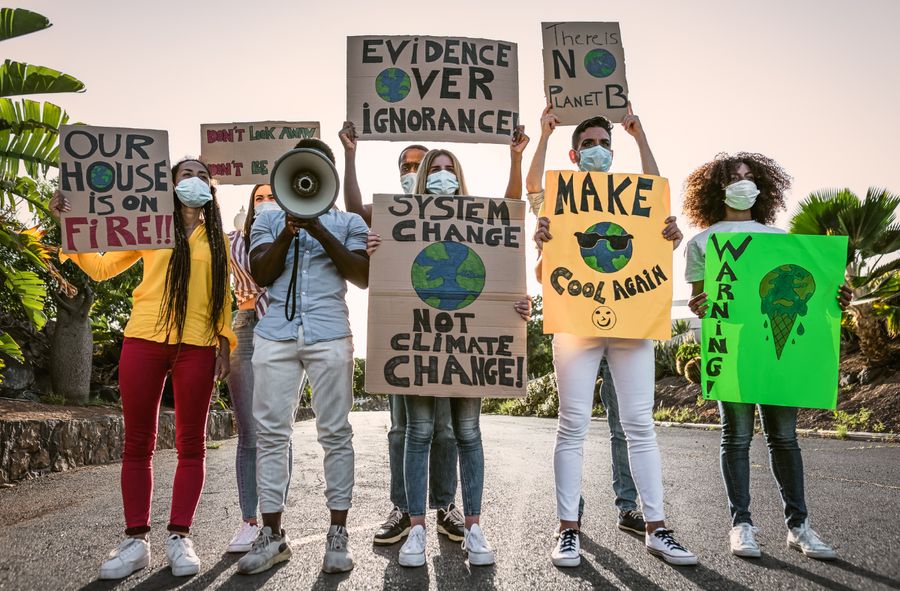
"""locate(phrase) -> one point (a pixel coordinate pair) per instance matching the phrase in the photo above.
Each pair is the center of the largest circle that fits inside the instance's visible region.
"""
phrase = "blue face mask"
(193, 192)
(265, 206)
(408, 182)
(594, 159)
(442, 182)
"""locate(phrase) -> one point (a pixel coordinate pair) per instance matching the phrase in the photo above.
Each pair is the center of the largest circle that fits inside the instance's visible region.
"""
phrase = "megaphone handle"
(291, 302)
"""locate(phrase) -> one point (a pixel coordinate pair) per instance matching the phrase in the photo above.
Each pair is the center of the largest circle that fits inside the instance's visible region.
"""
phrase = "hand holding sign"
(519, 140)
(348, 136)
(631, 122)
(549, 121)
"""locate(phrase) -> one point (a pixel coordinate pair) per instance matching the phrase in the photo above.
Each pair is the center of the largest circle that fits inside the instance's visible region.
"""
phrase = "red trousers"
(143, 366)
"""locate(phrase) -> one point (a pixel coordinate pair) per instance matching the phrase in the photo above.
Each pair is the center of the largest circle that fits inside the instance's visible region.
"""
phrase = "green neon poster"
(771, 334)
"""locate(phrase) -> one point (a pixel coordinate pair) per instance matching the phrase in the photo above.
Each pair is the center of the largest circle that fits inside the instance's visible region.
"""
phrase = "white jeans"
(631, 363)
(278, 368)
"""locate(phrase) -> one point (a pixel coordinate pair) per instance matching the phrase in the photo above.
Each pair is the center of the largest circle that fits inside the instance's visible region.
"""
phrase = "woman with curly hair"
(742, 193)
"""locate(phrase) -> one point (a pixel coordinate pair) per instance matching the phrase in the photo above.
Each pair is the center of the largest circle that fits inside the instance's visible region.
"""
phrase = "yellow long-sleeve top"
(148, 296)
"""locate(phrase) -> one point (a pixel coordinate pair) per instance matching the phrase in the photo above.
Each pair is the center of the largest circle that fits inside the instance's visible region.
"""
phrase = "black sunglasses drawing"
(590, 239)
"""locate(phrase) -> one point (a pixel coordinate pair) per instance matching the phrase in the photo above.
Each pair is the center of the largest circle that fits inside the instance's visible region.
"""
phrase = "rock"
(16, 376)
(870, 374)
(848, 379)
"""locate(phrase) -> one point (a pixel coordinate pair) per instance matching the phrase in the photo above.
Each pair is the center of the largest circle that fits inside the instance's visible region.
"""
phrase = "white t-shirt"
(696, 246)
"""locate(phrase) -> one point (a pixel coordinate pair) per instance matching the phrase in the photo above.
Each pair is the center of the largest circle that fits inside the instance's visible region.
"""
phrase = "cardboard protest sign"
(584, 71)
(772, 332)
(244, 153)
(442, 287)
(118, 182)
(607, 271)
(433, 88)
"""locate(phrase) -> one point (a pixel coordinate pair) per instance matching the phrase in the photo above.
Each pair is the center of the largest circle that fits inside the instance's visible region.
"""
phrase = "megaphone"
(305, 183)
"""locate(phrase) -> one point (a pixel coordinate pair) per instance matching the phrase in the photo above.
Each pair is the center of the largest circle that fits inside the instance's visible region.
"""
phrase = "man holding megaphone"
(304, 253)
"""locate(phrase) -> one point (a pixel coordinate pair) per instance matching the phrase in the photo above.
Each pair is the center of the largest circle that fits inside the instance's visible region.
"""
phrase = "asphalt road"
(56, 530)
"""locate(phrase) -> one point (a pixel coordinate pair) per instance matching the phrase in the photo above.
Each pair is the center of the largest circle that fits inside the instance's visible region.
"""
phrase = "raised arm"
(534, 181)
(516, 149)
(632, 125)
(352, 195)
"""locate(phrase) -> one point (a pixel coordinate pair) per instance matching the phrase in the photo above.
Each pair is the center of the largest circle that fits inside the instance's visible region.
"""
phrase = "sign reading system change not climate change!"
(432, 88)
(607, 271)
(442, 290)
(772, 332)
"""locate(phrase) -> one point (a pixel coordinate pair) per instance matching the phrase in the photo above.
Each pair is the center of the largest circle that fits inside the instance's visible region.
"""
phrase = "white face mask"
(442, 182)
(741, 195)
(265, 206)
(408, 182)
(193, 192)
(594, 159)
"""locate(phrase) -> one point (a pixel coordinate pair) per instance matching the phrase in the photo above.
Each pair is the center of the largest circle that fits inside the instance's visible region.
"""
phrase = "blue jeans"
(442, 466)
(465, 414)
(240, 387)
(623, 483)
(780, 427)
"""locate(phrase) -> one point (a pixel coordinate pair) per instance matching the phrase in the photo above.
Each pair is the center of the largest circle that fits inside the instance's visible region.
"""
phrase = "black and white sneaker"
(268, 550)
(395, 528)
(662, 543)
(568, 549)
(451, 523)
(632, 521)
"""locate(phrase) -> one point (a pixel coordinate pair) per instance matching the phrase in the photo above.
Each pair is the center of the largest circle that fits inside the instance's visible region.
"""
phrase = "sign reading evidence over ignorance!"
(772, 332)
(584, 71)
(432, 88)
(442, 290)
(118, 182)
(244, 153)
(607, 271)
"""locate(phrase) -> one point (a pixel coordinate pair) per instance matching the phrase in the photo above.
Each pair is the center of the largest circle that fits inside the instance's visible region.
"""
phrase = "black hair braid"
(216, 238)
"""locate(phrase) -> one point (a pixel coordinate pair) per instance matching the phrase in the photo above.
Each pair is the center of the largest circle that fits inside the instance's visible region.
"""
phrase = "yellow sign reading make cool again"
(607, 271)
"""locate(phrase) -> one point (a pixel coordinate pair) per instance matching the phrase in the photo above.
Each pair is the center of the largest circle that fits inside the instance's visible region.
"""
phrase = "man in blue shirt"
(306, 329)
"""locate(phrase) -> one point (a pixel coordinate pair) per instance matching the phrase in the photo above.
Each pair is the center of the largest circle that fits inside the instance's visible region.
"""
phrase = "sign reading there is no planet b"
(584, 71)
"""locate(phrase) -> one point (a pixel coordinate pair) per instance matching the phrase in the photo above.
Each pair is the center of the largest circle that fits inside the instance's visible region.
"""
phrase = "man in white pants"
(577, 359)
(305, 265)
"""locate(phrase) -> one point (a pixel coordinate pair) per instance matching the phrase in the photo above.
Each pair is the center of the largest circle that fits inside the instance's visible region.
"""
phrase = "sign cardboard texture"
(584, 71)
(607, 272)
(119, 185)
(432, 88)
(772, 332)
(244, 153)
(442, 290)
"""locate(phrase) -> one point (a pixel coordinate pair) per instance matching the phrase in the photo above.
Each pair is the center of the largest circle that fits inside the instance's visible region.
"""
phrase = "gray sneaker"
(338, 556)
(806, 540)
(268, 550)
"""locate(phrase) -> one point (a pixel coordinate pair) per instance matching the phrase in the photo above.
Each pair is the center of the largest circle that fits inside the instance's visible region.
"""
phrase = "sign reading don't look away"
(118, 183)
(432, 88)
(442, 290)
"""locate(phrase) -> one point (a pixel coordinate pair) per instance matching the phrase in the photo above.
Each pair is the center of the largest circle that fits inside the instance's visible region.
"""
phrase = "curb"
(820, 433)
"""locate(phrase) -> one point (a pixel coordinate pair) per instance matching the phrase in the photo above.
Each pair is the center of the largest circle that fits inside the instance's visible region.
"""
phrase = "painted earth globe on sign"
(392, 85)
(448, 275)
(100, 176)
(599, 63)
(605, 247)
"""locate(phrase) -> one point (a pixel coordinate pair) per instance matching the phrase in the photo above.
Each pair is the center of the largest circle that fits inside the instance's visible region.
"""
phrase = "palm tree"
(29, 133)
(873, 267)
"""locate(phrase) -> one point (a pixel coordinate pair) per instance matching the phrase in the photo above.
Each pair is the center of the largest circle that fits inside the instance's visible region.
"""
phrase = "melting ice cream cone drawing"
(784, 292)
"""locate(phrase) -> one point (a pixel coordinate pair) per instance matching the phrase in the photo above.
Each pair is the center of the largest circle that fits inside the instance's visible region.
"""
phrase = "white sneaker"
(338, 556)
(806, 540)
(662, 543)
(131, 555)
(743, 542)
(268, 550)
(243, 538)
(476, 546)
(568, 549)
(181, 555)
(412, 553)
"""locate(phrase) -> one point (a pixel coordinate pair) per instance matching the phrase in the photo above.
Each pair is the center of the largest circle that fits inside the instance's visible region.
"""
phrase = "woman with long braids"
(180, 323)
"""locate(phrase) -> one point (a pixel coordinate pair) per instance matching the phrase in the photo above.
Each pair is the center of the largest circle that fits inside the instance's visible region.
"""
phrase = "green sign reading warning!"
(772, 333)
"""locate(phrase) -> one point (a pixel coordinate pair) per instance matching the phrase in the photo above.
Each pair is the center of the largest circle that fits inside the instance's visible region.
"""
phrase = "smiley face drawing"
(603, 318)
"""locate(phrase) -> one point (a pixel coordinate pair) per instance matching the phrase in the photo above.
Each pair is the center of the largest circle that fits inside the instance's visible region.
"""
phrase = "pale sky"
(813, 84)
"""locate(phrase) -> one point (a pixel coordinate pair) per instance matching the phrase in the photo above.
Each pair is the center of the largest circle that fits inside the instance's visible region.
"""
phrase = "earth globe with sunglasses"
(605, 247)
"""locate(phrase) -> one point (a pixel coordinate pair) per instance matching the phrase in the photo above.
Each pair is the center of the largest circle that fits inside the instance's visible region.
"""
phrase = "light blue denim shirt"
(321, 288)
